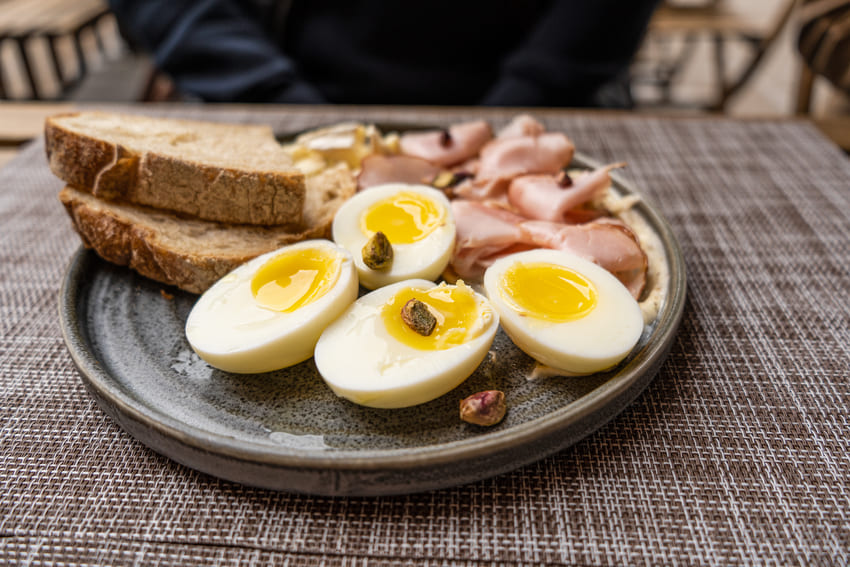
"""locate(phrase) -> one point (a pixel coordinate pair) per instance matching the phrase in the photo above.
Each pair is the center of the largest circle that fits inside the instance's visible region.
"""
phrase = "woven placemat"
(738, 452)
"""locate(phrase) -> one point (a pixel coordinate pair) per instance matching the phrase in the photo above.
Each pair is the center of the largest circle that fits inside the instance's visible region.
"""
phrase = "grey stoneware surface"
(286, 430)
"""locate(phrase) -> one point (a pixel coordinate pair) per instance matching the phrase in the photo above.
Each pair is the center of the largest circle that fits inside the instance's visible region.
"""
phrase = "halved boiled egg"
(564, 311)
(372, 355)
(416, 219)
(269, 312)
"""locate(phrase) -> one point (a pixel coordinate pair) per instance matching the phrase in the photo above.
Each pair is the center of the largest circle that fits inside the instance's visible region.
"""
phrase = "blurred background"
(730, 57)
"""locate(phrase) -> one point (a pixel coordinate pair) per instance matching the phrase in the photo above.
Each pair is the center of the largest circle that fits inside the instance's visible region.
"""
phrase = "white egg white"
(229, 330)
(593, 343)
(425, 259)
(362, 362)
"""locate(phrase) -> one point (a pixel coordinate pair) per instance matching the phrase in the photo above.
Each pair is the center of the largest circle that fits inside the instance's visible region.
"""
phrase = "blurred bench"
(26, 22)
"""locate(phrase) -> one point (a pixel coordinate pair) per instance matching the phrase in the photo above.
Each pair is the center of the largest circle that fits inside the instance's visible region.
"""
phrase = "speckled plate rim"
(545, 435)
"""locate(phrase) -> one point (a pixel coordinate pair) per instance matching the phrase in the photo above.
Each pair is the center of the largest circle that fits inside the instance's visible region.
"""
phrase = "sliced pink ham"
(487, 232)
(503, 159)
(606, 242)
(483, 190)
(469, 166)
(447, 147)
(484, 234)
(544, 197)
(510, 198)
(479, 224)
(582, 215)
(377, 169)
(522, 125)
(510, 157)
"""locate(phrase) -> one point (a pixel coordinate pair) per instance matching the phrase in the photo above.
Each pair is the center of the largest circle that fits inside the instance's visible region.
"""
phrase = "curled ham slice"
(505, 158)
(482, 224)
(447, 147)
(542, 197)
(484, 234)
(606, 242)
(469, 166)
(509, 157)
(522, 125)
(482, 190)
(377, 169)
(488, 232)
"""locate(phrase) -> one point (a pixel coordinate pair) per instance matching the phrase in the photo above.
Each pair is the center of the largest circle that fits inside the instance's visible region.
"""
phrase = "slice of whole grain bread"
(231, 173)
(189, 253)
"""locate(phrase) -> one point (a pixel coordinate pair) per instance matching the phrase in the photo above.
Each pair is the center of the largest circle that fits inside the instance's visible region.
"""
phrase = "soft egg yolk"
(294, 279)
(404, 218)
(455, 308)
(547, 291)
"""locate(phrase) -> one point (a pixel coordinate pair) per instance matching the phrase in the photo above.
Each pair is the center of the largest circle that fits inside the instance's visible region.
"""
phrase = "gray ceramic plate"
(285, 430)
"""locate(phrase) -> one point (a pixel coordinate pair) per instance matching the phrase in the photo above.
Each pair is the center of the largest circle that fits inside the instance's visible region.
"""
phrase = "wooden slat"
(720, 18)
(17, 16)
(26, 21)
(739, 18)
(6, 155)
(20, 122)
(24, 17)
(83, 14)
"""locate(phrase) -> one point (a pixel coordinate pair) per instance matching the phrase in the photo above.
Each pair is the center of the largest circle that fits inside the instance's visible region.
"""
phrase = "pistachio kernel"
(418, 317)
(378, 252)
(484, 408)
(443, 179)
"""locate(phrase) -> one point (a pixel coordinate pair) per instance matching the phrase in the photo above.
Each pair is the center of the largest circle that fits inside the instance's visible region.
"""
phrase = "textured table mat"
(738, 452)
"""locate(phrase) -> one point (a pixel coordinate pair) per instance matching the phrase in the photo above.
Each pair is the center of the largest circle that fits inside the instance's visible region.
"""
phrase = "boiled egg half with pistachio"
(383, 353)
(417, 233)
(565, 312)
(268, 313)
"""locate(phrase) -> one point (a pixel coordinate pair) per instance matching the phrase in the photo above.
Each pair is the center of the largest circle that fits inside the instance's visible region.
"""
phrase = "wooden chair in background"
(677, 28)
(24, 24)
(823, 43)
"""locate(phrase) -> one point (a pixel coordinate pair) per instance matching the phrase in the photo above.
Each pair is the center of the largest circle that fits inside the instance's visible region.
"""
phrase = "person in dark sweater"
(440, 52)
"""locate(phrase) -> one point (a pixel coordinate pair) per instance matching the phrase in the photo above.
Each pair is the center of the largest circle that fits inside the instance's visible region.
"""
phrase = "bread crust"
(193, 254)
(113, 171)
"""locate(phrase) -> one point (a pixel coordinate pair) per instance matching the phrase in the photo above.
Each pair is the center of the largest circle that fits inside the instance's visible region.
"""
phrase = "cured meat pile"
(511, 191)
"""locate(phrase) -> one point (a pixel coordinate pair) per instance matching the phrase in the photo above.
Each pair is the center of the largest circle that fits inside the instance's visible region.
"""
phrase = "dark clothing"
(495, 52)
